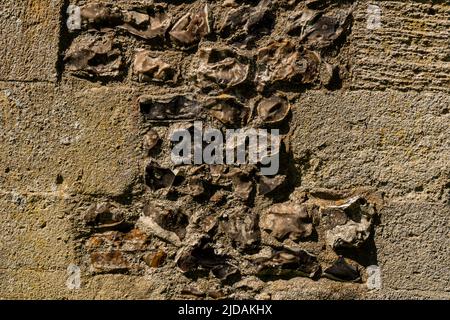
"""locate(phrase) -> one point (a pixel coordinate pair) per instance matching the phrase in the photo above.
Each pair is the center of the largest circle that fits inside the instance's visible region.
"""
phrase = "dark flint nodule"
(173, 220)
(324, 30)
(101, 57)
(268, 184)
(203, 257)
(281, 62)
(342, 271)
(223, 67)
(241, 227)
(169, 107)
(348, 225)
(149, 68)
(105, 17)
(300, 20)
(146, 27)
(289, 263)
(226, 272)
(227, 110)
(248, 20)
(195, 187)
(157, 177)
(242, 186)
(192, 27)
(273, 110)
(288, 220)
(104, 216)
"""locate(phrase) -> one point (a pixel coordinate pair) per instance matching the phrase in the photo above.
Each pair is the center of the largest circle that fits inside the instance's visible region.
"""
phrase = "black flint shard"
(170, 107)
(173, 220)
(342, 271)
(206, 259)
(289, 263)
(157, 177)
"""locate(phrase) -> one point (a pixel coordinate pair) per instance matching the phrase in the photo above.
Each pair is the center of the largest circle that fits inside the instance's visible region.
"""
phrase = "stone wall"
(86, 181)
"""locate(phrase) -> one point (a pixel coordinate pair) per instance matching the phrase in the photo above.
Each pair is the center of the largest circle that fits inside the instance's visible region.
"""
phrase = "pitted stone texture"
(29, 39)
(36, 232)
(77, 141)
(413, 247)
(392, 141)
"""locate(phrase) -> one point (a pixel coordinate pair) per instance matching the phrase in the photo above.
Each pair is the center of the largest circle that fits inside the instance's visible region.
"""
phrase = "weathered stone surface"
(414, 248)
(368, 108)
(409, 52)
(36, 232)
(381, 139)
(29, 40)
(67, 140)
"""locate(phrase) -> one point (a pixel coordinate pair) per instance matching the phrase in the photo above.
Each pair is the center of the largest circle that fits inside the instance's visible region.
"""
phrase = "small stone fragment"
(191, 27)
(138, 25)
(199, 257)
(216, 294)
(218, 196)
(347, 225)
(136, 18)
(112, 261)
(191, 291)
(155, 260)
(287, 219)
(226, 272)
(328, 73)
(318, 4)
(167, 224)
(229, 3)
(313, 60)
(209, 223)
(173, 220)
(135, 240)
(148, 68)
(104, 216)
(195, 187)
(151, 139)
(105, 241)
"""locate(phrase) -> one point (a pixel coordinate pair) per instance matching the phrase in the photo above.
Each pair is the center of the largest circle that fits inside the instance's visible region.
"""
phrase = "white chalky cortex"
(74, 17)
